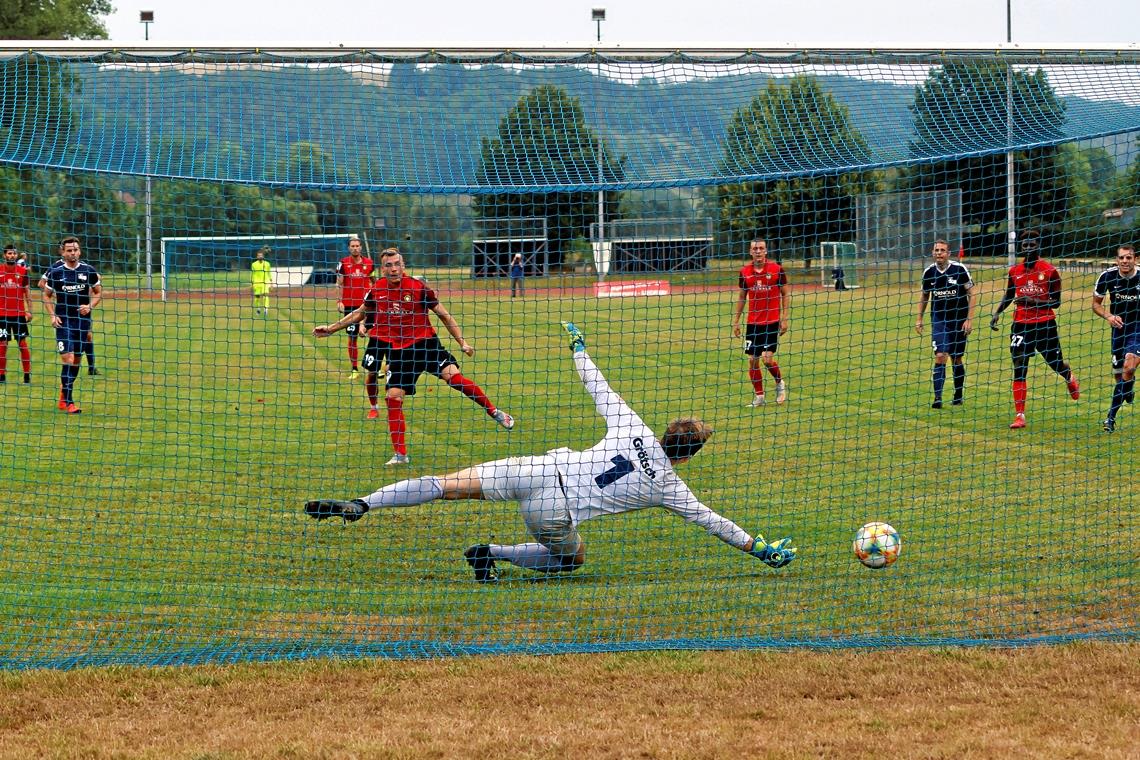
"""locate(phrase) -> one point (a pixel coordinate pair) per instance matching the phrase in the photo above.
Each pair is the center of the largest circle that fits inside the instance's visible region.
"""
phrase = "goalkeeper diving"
(629, 469)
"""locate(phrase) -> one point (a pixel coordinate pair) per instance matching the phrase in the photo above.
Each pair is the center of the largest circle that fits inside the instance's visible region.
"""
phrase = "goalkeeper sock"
(531, 556)
(406, 493)
(939, 375)
(757, 378)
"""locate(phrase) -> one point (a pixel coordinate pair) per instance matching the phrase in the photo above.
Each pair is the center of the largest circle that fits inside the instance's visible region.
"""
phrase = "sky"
(656, 23)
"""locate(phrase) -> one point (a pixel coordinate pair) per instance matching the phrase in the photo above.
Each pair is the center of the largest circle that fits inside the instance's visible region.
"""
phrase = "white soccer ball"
(877, 545)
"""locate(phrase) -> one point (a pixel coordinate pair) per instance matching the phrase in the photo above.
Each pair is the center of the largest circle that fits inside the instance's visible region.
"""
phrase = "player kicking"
(1122, 287)
(354, 278)
(953, 301)
(71, 290)
(627, 470)
(15, 312)
(397, 307)
(764, 287)
(1035, 287)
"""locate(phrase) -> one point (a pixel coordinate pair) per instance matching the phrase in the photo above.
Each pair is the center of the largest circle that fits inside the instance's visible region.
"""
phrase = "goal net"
(167, 522)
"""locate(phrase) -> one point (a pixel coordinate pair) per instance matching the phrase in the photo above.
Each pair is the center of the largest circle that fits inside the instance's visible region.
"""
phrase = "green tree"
(961, 109)
(55, 20)
(310, 165)
(797, 139)
(544, 140)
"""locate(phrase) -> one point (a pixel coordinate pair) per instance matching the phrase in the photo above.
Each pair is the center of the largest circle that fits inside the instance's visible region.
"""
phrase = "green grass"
(167, 516)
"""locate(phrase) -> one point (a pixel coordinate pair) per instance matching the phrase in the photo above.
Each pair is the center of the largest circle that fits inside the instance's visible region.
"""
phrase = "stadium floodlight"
(146, 18)
(598, 15)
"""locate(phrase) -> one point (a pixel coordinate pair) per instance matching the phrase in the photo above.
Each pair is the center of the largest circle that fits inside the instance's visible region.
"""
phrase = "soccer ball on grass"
(877, 545)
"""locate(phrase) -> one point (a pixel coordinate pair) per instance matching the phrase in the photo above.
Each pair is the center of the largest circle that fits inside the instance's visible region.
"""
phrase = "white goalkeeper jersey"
(628, 469)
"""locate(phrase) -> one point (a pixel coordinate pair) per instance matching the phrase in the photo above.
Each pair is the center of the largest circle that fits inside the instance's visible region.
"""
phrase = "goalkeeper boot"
(577, 339)
(503, 418)
(350, 511)
(398, 459)
(479, 557)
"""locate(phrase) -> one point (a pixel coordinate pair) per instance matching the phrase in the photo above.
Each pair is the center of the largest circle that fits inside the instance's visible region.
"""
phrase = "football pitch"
(164, 524)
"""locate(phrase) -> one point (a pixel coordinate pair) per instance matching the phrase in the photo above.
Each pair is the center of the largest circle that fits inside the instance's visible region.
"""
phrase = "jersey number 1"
(621, 468)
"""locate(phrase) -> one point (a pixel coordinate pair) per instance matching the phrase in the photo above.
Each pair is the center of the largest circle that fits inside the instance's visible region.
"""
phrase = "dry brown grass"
(1056, 702)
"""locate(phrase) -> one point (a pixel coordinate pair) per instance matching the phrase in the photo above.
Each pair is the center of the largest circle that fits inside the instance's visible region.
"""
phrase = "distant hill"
(424, 126)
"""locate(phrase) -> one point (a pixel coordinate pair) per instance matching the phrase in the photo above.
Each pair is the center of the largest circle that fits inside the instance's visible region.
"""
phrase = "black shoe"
(27, 378)
(957, 401)
(92, 371)
(1109, 426)
(322, 509)
(479, 557)
(937, 404)
(1129, 397)
(3, 378)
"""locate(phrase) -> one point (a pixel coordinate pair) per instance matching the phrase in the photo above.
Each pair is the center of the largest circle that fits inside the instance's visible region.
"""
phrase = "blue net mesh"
(165, 522)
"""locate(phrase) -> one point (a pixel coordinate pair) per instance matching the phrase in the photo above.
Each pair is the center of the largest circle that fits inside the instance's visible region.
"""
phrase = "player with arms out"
(1122, 287)
(1035, 287)
(397, 307)
(764, 287)
(15, 311)
(354, 278)
(262, 279)
(71, 291)
(629, 469)
(953, 301)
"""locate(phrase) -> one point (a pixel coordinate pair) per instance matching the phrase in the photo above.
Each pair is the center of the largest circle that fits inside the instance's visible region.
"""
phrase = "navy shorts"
(374, 356)
(13, 328)
(948, 339)
(70, 337)
(1124, 343)
(405, 365)
(761, 338)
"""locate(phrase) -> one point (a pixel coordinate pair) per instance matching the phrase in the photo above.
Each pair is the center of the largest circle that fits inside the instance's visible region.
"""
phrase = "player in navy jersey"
(629, 469)
(1035, 287)
(947, 286)
(1121, 284)
(71, 290)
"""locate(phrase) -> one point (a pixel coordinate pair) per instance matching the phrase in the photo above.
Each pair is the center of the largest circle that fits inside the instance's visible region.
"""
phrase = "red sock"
(396, 425)
(757, 378)
(371, 387)
(775, 370)
(471, 391)
(1020, 389)
(4, 358)
(353, 353)
(26, 357)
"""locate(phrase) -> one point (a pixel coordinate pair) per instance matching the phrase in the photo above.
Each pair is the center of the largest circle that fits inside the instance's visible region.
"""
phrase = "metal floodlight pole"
(146, 18)
(599, 15)
(1010, 189)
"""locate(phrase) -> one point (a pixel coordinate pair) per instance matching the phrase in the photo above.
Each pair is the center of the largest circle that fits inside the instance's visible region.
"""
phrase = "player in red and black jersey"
(354, 278)
(1035, 287)
(764, 287)
(397, 306)
(15, 311)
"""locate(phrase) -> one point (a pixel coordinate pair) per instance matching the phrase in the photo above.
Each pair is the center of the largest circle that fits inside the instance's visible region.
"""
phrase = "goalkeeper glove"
(774, 555)
(577, 339)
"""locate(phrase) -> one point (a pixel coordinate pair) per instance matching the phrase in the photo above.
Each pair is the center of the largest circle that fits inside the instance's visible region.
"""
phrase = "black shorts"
(374, 356)
(356, 328)
(405, 365)
(13, 328)
(761, 338)
(1026, 339)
